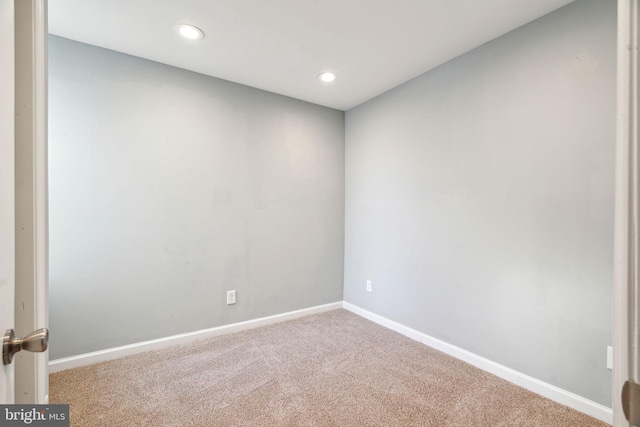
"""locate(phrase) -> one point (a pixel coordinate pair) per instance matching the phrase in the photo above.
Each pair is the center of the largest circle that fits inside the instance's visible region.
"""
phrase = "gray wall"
(167, 188)
(479, 200)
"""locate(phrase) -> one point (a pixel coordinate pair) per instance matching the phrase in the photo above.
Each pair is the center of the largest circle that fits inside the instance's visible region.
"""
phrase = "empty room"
(325, 213)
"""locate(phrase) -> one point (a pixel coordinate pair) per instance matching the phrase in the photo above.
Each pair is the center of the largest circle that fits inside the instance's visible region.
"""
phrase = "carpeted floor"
(331, 369)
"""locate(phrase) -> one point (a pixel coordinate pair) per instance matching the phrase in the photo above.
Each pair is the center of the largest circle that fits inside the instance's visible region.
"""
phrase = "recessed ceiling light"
(190, 32)
(327, 76)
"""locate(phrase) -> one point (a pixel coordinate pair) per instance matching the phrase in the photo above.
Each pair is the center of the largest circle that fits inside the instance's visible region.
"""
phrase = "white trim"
(626, 233)
(160, 343)
(41, 190)
(549, 391)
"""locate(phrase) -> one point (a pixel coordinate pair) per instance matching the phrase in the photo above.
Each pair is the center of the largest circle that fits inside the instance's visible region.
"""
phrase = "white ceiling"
(282, 45)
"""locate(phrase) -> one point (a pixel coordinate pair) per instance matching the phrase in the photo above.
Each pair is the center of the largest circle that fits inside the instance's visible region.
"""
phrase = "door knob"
(36, 341)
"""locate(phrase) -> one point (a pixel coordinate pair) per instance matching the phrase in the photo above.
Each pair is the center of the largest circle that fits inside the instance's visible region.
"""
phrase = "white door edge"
(41, 192)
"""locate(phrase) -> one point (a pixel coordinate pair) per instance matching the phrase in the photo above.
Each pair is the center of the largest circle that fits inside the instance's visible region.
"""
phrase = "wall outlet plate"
(231, 297)
(369, 286)
(609, 357)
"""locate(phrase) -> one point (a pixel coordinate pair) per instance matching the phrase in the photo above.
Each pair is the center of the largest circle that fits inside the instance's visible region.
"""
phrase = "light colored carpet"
(331, 369)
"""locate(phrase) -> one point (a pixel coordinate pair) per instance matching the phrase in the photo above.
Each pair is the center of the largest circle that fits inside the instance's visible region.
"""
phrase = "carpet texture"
(331, 369)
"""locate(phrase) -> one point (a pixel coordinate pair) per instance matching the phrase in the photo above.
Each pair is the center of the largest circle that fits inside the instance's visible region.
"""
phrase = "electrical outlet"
(369, 287)
(231, 297)
(609, 357)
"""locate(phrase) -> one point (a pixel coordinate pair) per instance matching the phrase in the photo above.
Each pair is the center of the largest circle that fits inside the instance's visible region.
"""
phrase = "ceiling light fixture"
(327, 76)
(190, 32)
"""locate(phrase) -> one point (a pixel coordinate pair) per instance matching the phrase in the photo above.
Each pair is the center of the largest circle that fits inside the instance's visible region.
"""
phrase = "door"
(627, 220)
(23, 193)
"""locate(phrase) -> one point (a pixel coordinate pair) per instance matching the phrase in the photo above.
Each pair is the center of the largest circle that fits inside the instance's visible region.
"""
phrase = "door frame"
(626, 289)
(31, 204)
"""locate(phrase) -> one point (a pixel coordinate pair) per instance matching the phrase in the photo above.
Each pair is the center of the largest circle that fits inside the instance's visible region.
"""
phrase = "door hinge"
(631, 402)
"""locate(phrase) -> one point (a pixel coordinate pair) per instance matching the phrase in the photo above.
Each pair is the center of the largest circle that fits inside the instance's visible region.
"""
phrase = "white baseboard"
(549, 391)
(564, 397)
(160, 343)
